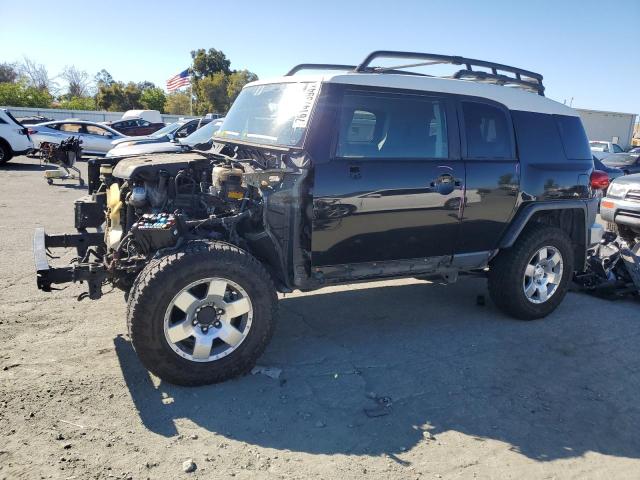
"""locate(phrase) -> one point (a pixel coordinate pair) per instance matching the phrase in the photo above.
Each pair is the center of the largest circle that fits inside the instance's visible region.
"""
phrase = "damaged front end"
(612, 268)
(142, 208)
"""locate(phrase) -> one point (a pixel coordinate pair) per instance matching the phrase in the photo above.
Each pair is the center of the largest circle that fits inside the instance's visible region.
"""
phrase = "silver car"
(96, 138)
(201, 139)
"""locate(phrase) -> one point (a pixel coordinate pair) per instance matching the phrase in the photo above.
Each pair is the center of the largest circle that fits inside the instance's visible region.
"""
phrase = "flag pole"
(190, 99)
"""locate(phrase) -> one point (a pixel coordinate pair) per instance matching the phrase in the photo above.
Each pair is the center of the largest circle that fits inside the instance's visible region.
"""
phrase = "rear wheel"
(5, 153)
(203, 315)
(530, 279)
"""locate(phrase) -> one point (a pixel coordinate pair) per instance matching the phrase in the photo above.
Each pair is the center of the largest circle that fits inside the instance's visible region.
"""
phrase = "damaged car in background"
(613, 266)
(316, 180)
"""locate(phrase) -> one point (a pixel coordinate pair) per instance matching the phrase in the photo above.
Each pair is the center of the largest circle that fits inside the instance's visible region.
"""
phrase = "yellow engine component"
(114, 205)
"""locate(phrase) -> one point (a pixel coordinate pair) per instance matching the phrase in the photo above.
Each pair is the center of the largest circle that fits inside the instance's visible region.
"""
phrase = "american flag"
(178, 81)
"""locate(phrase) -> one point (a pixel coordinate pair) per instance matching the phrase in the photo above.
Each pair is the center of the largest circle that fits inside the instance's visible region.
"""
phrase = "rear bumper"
(46, 275)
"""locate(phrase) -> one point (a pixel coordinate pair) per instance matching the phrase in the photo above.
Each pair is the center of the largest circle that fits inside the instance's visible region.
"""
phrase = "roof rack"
(499, 74)
(319, 66)
(331, 66)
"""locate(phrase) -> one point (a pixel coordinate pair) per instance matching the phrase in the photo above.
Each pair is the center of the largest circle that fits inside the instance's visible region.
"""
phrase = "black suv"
(314, 180)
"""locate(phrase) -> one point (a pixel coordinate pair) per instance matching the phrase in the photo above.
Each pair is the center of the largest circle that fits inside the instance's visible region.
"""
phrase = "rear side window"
(487, 131)
(392, 126)
(538, 137)
(574, 139)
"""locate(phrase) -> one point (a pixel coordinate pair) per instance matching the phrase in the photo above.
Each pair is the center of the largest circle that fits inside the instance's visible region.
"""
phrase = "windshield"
(203, 134)
(171, 128)
(273, 114)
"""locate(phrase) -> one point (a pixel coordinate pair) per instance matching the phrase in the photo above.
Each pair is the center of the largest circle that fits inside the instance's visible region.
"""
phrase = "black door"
(492, 174)
(393, 189)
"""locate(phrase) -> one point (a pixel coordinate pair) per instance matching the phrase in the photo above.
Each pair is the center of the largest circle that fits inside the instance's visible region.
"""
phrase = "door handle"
(445, 184)
(354, 171)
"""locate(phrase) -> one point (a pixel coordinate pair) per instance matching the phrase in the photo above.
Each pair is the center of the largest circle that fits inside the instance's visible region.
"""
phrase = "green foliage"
(78, 103)
(211, 92)
(207, 63)
(178, 103)
(153, 99)
(20, 94)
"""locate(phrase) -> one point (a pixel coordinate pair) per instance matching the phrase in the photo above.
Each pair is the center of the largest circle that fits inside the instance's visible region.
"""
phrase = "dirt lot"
(397, 379)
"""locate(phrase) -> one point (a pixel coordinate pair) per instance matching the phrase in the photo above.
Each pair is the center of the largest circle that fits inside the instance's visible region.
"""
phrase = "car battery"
(154, 231)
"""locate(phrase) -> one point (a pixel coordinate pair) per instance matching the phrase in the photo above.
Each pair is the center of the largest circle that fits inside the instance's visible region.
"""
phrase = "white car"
(96, 138)
(198, 140)
(601, 149)
(14, 138)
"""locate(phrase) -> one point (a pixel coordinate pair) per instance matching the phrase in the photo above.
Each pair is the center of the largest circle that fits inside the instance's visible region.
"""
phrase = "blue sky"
(587, 50)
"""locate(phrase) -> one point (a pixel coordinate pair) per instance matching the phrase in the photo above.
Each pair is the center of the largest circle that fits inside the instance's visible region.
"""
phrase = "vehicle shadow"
(26, 167)
(371, 371)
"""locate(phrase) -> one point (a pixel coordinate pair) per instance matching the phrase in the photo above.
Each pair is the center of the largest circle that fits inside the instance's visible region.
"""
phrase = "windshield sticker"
(302, 117)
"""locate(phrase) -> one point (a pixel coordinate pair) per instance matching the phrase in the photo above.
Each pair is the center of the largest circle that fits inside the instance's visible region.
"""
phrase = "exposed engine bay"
(146, 206)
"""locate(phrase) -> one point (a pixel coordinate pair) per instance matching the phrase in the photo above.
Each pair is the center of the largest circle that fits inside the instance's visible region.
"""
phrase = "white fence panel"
(88, 115)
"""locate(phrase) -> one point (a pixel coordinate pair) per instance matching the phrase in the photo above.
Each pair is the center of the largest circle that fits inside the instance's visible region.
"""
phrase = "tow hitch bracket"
(93, 273)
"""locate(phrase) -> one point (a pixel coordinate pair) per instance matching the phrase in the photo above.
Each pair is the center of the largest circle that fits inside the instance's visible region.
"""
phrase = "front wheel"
(530, 279)
(202, 315)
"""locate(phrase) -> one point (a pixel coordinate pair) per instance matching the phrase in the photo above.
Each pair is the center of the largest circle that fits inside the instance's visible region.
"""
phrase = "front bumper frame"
(46, 275)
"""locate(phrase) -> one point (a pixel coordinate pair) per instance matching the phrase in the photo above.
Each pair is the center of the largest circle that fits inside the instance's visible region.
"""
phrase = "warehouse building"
(613, 127)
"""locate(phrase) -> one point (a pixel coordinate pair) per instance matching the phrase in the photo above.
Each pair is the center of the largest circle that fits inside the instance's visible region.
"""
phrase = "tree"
(103, 78)
(120, 96)
(145, 85)
(37, 75)
(178, 103)
(153, 99)
(206, 63)
(77, 80)
(8, 73)
(212, 93)
(20, 94)
(236, 81)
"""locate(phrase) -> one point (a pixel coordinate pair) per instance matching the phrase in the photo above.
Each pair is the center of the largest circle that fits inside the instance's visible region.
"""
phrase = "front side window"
(392, 126)
(272, 114)
(617, 148)
(487, 131)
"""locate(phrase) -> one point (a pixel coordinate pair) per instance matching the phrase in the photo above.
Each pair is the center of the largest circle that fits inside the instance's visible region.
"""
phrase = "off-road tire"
(506, 272)
(162, 278)
(5, 152)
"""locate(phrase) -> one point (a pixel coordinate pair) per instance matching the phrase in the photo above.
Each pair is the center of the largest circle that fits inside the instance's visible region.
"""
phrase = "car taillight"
(599, 180)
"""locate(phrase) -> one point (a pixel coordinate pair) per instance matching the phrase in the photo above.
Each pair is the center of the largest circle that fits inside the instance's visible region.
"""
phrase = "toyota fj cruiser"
(313, 180)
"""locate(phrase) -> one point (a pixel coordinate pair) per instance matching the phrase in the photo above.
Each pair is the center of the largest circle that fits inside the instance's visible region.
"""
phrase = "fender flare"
(588, 208)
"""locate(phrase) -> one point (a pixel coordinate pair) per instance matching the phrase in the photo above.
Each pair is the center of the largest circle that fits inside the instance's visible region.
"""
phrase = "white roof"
(512, 97)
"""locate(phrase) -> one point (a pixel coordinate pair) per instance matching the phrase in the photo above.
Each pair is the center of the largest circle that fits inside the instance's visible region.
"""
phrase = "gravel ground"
(395, 379)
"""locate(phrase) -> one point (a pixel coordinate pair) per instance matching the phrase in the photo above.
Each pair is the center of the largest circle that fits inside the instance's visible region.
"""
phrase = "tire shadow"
(377, 370)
